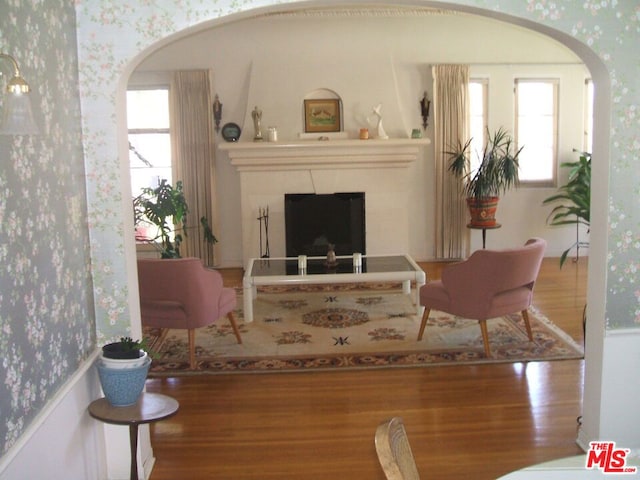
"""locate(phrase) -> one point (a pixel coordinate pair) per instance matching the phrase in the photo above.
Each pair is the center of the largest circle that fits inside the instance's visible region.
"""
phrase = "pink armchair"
(182, 293)
(489, 284)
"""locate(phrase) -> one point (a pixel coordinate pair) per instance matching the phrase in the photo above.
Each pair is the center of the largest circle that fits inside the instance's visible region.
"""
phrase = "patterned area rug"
(317, 327)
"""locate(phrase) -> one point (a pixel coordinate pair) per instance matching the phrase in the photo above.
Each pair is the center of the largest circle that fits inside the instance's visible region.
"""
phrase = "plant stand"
(484, 231)
(578, 243)
(151, 407)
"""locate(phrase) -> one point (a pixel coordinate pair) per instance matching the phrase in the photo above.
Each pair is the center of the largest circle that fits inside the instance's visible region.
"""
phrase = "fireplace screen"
(313, 221)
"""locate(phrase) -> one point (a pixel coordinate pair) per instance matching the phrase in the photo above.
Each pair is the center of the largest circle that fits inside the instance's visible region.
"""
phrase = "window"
(149, 143)
(149, 139)
(588, 120)
(537, 129)
(478, 92)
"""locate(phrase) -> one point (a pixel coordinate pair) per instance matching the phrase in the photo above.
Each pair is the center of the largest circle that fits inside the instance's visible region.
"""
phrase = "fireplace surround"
(381, 169)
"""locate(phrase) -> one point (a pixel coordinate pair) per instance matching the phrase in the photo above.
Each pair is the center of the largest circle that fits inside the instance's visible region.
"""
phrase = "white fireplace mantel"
(322, 154)
(382, 169)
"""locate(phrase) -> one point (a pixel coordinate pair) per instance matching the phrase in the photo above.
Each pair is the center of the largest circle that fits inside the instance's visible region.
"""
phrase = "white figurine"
(381, 133)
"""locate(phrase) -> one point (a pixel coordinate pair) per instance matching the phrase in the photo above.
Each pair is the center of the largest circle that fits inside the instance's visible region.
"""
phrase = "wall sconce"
(217, 112)
(425, 105)
(17, 118)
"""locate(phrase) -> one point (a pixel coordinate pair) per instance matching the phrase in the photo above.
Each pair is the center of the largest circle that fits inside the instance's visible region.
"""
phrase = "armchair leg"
(192, 348)
(425, 317)
(525, 316)
(485, 338)
(232, 321)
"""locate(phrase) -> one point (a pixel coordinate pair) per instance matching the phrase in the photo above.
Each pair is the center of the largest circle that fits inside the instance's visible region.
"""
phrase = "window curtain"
(451, 104)
(193, 156)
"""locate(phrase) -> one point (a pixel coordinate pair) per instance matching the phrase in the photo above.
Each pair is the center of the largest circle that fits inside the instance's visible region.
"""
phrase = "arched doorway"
(597, 268)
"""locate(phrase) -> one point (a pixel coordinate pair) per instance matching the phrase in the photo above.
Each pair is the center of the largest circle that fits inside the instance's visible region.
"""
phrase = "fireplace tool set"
(263, 217)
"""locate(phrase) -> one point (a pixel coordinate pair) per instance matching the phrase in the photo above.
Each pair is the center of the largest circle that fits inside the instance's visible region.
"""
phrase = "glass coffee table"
(290, 271)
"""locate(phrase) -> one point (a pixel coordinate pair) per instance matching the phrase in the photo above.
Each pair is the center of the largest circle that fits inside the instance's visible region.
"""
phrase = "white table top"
(268, 271)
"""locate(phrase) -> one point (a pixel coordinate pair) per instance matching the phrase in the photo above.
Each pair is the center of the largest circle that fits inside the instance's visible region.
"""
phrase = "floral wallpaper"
(46, 311)
(47, 323)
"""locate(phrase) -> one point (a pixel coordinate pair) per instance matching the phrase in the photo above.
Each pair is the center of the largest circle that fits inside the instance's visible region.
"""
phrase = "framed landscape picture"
(322, 115)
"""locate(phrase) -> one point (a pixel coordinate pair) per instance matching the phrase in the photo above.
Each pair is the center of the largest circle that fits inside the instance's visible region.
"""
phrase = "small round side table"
(150, 407)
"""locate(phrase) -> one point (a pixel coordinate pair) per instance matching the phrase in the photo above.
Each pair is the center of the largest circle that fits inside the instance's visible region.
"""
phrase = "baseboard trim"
(582, 442)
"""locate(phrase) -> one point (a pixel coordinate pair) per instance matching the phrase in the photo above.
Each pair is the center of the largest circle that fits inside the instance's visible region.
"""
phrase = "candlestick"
(302, 262)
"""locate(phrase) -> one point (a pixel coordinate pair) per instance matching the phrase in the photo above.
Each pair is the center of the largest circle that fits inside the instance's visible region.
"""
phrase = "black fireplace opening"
(314, 221)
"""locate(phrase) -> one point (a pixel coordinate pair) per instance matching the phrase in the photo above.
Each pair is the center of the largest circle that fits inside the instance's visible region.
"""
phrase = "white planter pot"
(123, 363)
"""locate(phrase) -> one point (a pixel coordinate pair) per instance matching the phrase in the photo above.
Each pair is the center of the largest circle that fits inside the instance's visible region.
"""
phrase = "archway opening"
(602, 109)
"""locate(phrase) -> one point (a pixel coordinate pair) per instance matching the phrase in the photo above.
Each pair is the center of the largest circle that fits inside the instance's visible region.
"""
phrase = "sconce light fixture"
(217, 112)
(425, 105)
(17, 118)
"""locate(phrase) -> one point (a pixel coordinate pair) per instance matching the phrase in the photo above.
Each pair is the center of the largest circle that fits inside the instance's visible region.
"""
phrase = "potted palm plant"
(496, 173)
(576, 198)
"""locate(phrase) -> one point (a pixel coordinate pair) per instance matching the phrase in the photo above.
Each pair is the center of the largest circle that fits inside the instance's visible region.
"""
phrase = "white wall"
(619, 411)
(273, 62)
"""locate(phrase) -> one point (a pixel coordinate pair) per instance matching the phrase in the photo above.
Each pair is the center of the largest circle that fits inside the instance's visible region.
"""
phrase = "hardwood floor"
(476, 422)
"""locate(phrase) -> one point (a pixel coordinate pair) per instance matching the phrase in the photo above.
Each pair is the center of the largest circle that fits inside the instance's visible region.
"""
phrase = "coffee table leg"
(421, 279)
(406, 287)
(247, 300)
(133, 441)
(248, 304)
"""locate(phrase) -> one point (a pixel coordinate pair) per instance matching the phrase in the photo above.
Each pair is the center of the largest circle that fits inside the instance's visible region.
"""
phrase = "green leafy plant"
(126, 347)
(128, 343)
(165, 207)
(498, 169)
(576, 198)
